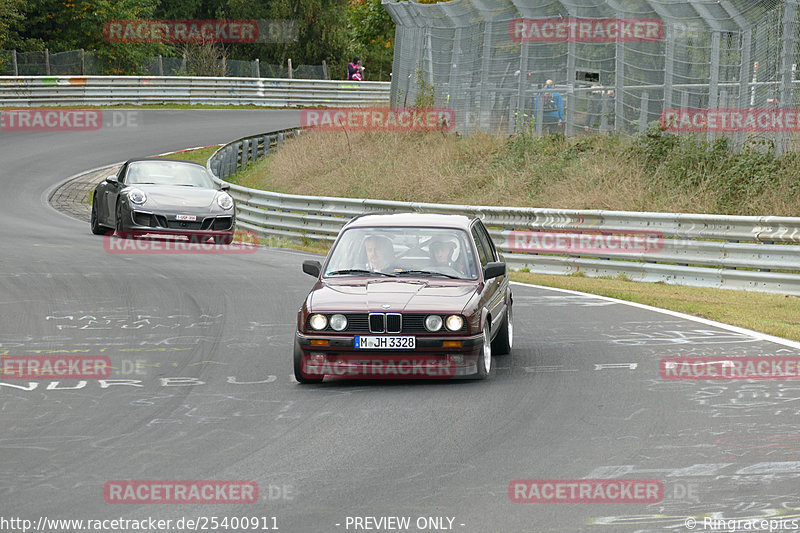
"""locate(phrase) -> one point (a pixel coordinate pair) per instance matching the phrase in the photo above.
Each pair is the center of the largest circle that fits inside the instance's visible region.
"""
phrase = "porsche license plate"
(186, 218)
(387, 342)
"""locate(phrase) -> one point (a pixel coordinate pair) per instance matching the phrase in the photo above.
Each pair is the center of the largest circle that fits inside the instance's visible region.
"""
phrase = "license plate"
(187, 218)
(363, 342)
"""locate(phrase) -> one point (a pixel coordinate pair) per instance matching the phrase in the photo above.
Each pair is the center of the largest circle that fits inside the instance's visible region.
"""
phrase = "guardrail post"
(257, 63)
(289, 62)
(245, 152)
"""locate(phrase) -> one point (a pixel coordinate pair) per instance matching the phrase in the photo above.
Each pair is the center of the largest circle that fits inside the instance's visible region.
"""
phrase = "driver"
(379, 251)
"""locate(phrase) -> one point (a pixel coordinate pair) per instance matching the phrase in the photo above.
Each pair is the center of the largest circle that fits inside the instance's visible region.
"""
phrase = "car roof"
(412, 219)
(162, 159)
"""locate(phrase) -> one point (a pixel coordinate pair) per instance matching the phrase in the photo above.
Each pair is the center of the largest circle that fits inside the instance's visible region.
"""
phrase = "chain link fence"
(616, 65)
(86, 63)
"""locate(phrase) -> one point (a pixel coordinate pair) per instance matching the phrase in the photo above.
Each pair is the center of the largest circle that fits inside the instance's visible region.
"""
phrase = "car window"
(168, 173)
(486, 239)
(482, 253)
(403, 251)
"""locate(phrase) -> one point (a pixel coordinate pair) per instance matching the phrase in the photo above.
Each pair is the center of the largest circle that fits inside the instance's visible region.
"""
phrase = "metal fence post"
(643, 112)
(46, 62)
(83, 62)
(289, 62)
(257, 64)
(160, 65)
(14, 62)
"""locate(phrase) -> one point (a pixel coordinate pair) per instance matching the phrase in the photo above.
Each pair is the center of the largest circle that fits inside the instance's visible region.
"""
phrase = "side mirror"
(312, 268)
(493, 270)
(225, 187)
(112, 179)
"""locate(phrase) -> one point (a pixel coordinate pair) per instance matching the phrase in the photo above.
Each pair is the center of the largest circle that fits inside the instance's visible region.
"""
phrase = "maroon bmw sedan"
(410, 296)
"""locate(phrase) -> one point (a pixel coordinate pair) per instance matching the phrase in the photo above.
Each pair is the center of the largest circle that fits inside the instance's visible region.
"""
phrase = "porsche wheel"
(298, 368)
(505, 337)
(120, 229)
(94, 223)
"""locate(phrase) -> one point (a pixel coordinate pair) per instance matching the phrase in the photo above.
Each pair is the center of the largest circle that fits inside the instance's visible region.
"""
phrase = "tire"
(484, 363)
(298, 361)
(118, 222)
(503, 342)
(94, 223)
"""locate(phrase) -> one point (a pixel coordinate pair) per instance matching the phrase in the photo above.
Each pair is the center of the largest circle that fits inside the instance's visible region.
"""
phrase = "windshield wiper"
(429, 273)
(358, 271)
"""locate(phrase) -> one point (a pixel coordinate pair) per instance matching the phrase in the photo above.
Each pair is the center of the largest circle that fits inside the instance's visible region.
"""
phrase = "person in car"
(380, 252)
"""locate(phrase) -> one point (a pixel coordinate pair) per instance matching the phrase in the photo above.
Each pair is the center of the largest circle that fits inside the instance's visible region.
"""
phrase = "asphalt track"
(580, 397)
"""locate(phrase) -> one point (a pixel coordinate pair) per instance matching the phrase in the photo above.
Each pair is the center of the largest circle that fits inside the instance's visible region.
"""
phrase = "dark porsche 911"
(163, 196)
(405, 296)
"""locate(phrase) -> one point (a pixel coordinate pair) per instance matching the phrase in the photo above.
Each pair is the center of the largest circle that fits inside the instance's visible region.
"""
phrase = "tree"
(371, 32)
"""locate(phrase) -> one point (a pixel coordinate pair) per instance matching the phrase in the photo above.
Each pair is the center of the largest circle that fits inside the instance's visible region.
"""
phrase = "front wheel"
(505, 337)
(484, 363)
(298, 367)
(94, 222)
(120, 229)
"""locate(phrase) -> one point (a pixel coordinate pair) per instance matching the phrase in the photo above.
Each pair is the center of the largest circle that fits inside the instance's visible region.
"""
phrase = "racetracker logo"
(181, 492)
(621, 241)
(181, 31)
(585, 491)
(731, 120)
(379, 366)
(138, 242)
(379, 119)
(706, 368)
(67, 119)
(55, 367)
(585, 30)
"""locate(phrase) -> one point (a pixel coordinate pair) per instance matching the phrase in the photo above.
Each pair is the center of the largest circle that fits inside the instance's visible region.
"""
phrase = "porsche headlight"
(338, 322)
(225, 201)
(318, 322)
(454, 322)
(433, 322)
(137, 196)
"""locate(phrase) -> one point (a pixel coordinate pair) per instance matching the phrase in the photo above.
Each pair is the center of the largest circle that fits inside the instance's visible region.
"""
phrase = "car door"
(110, 194)
(495, 288)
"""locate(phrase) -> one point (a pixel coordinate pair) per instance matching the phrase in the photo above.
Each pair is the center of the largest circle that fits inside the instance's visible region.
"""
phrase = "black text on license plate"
(385, 342)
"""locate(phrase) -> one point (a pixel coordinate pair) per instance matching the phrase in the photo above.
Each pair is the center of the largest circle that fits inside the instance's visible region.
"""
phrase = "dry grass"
(593, 172)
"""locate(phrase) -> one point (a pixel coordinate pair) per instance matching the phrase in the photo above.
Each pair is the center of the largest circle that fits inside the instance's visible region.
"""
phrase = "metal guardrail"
(29, 91)
(694, 249)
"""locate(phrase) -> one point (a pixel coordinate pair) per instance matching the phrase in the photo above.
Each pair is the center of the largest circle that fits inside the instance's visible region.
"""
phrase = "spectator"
(355, 70)
(594, 110)
(552, 109)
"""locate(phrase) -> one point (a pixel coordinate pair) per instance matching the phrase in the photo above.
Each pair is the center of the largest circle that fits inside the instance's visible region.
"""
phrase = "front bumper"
(162, 223)
(336, 355)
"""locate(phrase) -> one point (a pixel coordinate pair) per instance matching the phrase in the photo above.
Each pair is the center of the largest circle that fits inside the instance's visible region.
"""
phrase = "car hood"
(165, 196)
(408, 295)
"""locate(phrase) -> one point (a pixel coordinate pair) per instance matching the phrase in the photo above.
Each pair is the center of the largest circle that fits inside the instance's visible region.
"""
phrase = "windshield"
(168, 173)
(403, 252)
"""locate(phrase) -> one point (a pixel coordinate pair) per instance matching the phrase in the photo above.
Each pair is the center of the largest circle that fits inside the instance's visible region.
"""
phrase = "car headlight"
(433, 322)
(225, 201)
(338, 322)
(318, 322)
(137, 196)
(454, 322)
